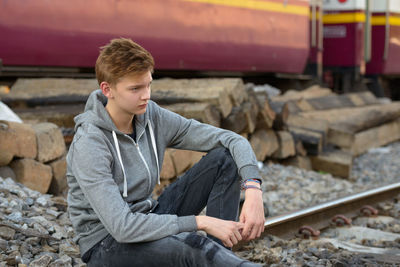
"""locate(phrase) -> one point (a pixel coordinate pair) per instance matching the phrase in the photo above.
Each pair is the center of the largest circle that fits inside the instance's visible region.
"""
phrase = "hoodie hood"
(95, 113)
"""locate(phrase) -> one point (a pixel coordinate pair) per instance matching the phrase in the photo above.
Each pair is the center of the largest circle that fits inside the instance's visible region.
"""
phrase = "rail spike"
(368, 211)
(306, 231)
(341, 220)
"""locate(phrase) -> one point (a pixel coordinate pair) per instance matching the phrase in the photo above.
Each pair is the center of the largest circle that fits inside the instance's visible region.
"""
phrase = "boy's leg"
(184, 249)
(213, 182)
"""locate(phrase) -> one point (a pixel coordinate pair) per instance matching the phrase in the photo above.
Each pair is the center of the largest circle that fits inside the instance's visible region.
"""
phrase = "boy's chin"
(140, 112)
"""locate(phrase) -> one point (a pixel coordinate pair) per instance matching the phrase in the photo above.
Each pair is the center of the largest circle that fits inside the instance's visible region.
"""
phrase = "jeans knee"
(204, 244)
(222, 154)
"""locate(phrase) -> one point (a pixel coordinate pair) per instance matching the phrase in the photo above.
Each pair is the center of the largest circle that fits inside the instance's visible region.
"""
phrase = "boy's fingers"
(238, 235)
(260, 231)
(246, 230)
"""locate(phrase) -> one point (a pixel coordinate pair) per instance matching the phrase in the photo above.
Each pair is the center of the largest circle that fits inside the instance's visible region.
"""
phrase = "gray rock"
(29, 201)
(78, 263)
(3, 244)
(43, 200)
(32, 240)
(40, 228)
(43, 222)
(53, 212)
(43, 261)
(64, 261)
(60, 232)
(15, 217)
(13, 258)
(69, 248)
(7, 233)
(4, 202)
(31, 193)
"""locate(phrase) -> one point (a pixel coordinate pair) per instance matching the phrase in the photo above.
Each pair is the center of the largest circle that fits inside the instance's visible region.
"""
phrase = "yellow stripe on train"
(259, 5)
(357, 17)
(337, 18)
(381, 20)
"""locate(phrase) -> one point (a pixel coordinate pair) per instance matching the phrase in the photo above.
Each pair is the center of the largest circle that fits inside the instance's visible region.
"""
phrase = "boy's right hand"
(229, 232)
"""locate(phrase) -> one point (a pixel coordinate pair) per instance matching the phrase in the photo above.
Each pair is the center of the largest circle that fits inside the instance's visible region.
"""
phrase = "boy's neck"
(122, 120)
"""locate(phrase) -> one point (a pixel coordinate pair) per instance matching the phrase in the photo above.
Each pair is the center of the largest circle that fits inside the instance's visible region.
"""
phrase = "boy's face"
(131, 93)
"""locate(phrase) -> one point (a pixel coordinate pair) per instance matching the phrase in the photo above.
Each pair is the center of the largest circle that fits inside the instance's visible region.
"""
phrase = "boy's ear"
(106, 89)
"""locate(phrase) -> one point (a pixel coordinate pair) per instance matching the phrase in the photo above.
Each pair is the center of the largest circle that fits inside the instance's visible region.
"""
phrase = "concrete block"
(26, 140)
(16, 139)
(195, 157)
(33, 174)
(286, 145)
(184, 159)
(180, 160)
(264, 143)
(8, 147)
(168, 169)
(50, 142)
(59, 181)
(338, 163)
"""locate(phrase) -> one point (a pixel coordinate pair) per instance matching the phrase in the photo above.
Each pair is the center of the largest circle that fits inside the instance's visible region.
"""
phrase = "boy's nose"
(146, 93)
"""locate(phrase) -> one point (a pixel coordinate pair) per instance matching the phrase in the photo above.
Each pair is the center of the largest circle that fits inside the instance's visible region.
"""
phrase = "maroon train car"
(202, 35)
(362, 39)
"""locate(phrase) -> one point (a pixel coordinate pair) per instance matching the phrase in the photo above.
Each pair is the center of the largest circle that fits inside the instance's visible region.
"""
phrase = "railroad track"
(352, 223)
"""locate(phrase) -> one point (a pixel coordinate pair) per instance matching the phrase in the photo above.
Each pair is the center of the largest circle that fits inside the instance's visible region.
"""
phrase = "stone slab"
(50, 142)
(59, 171)
(33, 174)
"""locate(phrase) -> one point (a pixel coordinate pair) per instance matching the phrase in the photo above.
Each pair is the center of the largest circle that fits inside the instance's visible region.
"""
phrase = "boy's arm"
(190, 134)
(252, 214)
(193, 135)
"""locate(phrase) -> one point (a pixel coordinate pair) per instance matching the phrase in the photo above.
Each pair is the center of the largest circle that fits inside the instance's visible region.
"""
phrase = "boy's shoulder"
(88, 132)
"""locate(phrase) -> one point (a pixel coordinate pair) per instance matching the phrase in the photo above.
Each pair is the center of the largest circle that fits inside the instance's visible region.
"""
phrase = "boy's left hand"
(252, 214)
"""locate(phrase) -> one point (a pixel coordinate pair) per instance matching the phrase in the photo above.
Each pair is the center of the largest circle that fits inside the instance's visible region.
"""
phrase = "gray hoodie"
(111, 177)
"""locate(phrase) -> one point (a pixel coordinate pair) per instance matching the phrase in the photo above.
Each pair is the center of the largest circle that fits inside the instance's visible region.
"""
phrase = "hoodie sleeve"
(91, 163)
(190, 134)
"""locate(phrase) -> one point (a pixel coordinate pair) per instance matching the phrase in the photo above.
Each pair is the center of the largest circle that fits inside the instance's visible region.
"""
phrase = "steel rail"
(319, 216)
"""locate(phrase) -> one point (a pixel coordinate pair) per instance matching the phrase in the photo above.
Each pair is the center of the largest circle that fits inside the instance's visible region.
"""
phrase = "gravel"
(36, 230)
(289, 188)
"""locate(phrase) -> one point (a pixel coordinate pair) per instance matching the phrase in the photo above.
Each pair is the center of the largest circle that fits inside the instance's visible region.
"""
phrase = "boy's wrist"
(251, 184)
(200, 222)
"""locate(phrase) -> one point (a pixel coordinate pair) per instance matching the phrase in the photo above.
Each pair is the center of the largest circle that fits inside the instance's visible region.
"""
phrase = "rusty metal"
(306, 231)
(368, 211)
(341, 220)
(287, 225)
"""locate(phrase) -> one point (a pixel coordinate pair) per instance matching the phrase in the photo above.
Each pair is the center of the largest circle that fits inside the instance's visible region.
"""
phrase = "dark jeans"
(212, 182)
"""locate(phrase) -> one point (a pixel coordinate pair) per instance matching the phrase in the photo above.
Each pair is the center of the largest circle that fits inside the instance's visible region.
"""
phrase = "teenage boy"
(114, 163)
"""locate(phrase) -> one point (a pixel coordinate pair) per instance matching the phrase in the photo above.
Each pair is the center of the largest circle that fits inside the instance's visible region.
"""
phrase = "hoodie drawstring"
(125, 194)
(153, 142)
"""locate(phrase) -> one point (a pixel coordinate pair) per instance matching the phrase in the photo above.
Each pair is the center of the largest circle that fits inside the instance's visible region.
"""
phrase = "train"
(340, 42)
(362, 39)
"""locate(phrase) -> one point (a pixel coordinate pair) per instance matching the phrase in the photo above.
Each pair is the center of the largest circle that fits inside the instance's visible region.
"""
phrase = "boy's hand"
(227, 231)
(252, 214)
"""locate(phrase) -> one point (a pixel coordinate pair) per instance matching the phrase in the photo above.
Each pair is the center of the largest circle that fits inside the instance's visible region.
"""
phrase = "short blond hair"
(121, 57)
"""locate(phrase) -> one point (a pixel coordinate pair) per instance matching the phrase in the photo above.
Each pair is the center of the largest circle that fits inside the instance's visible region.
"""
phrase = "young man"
(114, 163)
